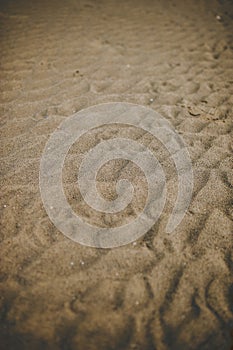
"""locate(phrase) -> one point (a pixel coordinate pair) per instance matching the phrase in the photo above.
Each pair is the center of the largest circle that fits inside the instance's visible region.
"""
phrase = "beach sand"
(163, 291)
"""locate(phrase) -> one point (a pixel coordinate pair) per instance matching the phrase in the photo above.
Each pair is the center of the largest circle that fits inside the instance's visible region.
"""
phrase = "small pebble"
(4, 205)
(218, 18)
(81, 262)
(151, 99)
(72, 263)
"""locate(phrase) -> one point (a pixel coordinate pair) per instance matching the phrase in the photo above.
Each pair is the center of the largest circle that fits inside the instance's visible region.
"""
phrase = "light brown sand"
(165, 292)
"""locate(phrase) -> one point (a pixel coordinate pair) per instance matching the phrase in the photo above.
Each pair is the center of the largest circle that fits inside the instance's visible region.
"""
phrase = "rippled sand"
(164, 291)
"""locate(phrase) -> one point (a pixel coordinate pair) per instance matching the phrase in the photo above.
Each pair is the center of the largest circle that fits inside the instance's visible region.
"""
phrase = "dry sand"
(165, 291)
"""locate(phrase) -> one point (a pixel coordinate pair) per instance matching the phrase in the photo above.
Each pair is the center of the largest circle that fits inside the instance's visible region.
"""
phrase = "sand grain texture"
(166, 291)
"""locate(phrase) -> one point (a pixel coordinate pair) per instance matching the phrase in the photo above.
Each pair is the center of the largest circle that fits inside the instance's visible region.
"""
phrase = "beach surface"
(163, 292)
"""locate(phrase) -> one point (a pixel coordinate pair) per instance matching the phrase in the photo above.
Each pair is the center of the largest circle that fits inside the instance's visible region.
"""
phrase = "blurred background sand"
(163, 291)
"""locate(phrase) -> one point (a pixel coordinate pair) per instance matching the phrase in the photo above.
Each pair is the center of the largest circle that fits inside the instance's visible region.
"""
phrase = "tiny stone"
(72, 263)
(151, 99)
(81, 262)
(4, 205)
(134, 243)
(218, 18)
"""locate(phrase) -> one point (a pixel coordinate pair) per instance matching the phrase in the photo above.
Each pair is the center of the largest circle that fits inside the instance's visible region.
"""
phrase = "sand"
(164, 291)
